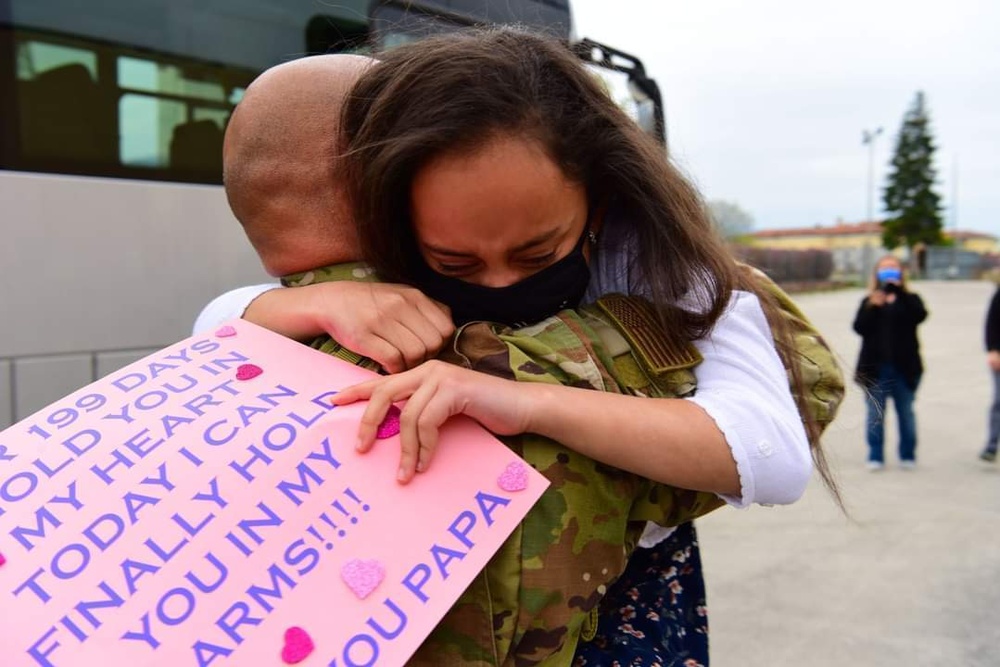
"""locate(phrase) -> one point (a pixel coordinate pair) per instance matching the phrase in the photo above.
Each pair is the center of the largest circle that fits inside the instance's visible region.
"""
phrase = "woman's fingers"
(435, 393)
(378, 407)
(438, 315)
(435, 413)
(395, 325)
(386, 353)
(417, 326)
(411, 446)
(381, 393)
(375, 411)
(419, 421)
(426, 330)
(413, 348)
(355, 393)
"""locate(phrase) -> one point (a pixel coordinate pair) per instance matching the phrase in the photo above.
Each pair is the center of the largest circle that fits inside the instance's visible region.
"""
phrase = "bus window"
(146, 125)
(60, 104)
(149, 76)
(88, 107)
(33, 58)
(163, 126)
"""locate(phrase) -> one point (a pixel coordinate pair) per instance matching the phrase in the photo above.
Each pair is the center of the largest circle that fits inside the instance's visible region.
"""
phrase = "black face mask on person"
(559, 285)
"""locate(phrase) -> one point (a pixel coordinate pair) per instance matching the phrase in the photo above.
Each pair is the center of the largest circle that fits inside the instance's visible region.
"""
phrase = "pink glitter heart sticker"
(3, 560)
(298, 646)
(248, 372)
(362, 576)
(390, 425)
(514, 477)
(225, 332)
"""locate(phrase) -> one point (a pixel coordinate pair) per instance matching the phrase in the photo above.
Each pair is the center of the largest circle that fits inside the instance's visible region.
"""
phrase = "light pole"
(868, 139)
(953, 271)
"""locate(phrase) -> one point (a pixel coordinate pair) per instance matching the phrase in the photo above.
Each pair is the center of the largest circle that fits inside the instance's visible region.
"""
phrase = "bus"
(112, 113)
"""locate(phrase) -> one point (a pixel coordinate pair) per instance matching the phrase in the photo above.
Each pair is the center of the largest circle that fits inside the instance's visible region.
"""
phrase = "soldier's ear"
(596, 219)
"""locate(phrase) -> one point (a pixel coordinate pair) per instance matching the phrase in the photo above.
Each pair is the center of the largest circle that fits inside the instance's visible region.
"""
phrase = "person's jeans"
(994, 436)
(890, 383)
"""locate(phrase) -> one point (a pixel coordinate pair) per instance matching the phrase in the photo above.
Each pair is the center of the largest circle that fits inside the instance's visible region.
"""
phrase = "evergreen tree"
(909, 197)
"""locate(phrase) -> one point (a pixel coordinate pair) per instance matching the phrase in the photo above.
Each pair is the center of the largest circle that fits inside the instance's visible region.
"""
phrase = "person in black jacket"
(989, 453)
(889, 364)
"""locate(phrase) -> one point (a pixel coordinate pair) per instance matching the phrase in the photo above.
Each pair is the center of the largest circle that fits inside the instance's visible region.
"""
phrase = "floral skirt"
(654, 615)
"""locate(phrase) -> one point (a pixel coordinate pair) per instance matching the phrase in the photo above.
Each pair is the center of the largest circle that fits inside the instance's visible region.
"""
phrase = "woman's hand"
(397, 326)
(876, 298)
(993, 360)
(436, 391)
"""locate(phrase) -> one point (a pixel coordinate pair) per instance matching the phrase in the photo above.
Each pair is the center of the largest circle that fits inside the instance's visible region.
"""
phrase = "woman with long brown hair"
(494, 173)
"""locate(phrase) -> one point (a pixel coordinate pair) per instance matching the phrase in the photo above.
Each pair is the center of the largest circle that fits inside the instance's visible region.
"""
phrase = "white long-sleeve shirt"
(743, 386)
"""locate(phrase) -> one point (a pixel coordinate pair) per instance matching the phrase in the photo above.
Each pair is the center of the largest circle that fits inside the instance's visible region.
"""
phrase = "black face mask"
(556, 287)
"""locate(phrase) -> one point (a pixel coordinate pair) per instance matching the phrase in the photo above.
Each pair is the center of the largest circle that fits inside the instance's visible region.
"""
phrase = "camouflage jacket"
(538, 596)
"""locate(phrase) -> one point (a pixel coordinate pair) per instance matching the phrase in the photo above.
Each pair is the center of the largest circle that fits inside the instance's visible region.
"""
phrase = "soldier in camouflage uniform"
(538, 596)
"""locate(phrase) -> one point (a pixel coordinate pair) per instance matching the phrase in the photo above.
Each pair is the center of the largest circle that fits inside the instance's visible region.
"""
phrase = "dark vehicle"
(112, 114)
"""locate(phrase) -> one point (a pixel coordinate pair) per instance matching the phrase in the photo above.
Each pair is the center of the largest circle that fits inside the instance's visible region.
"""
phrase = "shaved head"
(280, 163)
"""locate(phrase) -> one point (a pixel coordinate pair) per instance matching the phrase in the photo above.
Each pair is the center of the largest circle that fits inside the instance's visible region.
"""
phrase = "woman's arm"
(667, 440)
(395, 325)
(740, 436)
(673, 441)
(868, 312)
(744, 387)
(714, 442)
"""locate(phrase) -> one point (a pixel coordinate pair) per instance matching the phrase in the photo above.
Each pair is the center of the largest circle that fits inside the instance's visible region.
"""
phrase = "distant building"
(856, 247)
(978, 242)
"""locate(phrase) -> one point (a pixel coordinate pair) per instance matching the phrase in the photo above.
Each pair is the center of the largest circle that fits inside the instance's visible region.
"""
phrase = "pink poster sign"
(205, 506)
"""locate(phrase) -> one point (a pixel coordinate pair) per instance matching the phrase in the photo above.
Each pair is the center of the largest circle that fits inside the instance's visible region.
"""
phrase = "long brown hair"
(452, 94)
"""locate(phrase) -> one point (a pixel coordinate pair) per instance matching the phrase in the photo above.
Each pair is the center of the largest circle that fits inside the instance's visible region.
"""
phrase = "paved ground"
(912, 576)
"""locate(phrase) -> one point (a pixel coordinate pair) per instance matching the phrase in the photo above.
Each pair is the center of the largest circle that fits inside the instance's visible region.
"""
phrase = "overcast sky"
(766, 101)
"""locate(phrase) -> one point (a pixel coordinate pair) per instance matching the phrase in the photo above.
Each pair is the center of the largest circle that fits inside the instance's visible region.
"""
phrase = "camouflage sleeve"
(669, 506)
